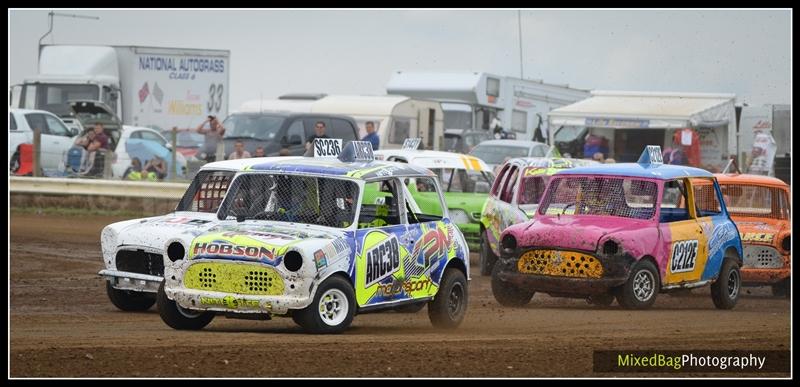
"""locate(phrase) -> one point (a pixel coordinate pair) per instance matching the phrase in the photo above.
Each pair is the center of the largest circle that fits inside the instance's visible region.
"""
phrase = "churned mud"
(62, 324)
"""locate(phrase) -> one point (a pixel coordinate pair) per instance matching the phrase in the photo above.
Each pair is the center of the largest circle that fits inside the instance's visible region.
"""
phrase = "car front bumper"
(472, 233)
(757, 277)
(204, 300)
(567, 277)
(136, 282)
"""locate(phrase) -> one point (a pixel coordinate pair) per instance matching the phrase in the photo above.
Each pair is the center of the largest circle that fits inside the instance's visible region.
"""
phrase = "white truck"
(152, 87)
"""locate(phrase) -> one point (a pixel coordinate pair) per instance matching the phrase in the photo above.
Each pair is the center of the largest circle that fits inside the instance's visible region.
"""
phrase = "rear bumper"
(137, 282)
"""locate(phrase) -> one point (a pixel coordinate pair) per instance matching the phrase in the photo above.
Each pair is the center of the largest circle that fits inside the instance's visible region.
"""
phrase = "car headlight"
(786, 243)
(458, 216)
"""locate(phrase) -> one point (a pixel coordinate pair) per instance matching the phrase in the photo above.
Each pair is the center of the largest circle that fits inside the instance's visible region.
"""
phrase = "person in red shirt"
(100, 140)
(689, 141)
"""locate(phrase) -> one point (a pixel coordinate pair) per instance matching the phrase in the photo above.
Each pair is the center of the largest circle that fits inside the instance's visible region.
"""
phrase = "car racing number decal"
(684, 256)
(327, 147)
(382, 260)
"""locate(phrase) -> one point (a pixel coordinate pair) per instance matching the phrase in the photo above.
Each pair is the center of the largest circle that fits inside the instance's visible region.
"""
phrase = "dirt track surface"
(62, 324)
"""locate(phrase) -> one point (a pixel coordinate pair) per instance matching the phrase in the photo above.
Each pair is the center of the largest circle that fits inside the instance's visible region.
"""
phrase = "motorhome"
(476, 100)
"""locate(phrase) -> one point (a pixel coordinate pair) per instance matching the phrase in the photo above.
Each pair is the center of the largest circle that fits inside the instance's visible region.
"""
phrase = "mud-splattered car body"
(620, 230)
(133, 250)
(760, 207)
(267, 263)
(514, 198)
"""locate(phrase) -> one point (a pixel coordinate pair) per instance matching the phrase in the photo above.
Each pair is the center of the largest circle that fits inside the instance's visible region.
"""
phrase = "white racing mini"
(134, 250)
(291, 237)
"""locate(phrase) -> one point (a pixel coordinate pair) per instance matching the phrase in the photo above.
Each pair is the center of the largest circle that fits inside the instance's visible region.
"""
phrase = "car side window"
(538, 151)
(705, 197)
(295, 134)
(385, 210)
(498, 181)
(36, 120)
(12, 122)
(508, 187)
(342, 129)
(674, 202)
(55, 126)
(146, 135)
(310, 122)
(429, 206)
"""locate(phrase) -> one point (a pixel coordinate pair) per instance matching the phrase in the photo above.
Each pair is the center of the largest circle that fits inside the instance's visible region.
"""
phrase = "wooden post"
(37, 147)
(174, 167)
(107, 161)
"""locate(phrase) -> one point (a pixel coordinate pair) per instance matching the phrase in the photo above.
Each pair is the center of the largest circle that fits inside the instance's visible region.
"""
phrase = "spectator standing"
(239, 152)
(260, 152)
(213, 136)
(372, 135)
(319, 132)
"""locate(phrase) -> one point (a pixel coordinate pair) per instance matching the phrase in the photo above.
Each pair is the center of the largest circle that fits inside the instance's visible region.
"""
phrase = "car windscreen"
(531, 189)
(206, 192)
(755, 201)
(463, 180)
(600, 195)
(187, 139)
(54, 97)
(320, 201)
(255, 126)
(497, 154)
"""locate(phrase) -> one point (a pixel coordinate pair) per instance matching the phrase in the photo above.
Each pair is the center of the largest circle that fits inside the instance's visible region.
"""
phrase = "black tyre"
(782, 289)
(725, 291)
(488, 259)
(410, 308)
(449, 305)
(130, 301)
(332, 309)
(179, 318)
(508, 294)
(602, 299)
(642, 287)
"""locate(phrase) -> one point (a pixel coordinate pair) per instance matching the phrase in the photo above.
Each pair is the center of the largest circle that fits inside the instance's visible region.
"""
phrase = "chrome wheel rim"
(643, 285)
(733, 284)
(333, 307)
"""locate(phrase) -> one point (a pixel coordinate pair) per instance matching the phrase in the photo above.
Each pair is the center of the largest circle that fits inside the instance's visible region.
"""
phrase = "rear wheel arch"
(732, 253)
(457, 263)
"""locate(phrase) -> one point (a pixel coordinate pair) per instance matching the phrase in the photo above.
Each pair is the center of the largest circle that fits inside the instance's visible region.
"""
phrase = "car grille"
(140, 261)
(234, 278)
(560, 263)
(762, 257)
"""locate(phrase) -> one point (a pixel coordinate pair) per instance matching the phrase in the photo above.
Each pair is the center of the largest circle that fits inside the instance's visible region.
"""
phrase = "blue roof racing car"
(293, 238)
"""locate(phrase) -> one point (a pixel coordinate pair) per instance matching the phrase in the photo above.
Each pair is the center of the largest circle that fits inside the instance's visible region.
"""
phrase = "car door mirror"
(74, 132)
(168, 145)
(295, 139)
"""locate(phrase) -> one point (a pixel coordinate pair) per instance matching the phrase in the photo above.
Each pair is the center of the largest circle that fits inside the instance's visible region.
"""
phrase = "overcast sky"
(354, 52)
